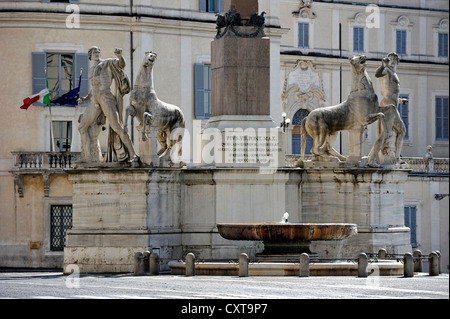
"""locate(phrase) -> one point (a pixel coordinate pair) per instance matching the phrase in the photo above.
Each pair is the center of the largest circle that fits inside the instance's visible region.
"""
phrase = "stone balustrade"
(43, 160)
(418, 165)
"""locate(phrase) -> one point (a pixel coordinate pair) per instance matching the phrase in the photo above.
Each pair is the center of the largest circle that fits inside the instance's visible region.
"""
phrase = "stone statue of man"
(390, 87)
(103, 103)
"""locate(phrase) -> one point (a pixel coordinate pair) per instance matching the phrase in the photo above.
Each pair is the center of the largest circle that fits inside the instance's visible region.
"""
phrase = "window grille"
(60, 222)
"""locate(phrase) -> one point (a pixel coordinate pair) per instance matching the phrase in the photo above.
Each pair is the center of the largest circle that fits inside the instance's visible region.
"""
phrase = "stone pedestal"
(118, 212)
(241, 132)
(371, 198)
(240, 76)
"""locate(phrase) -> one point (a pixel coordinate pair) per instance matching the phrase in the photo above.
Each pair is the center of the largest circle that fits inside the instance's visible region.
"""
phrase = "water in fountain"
(285, 218)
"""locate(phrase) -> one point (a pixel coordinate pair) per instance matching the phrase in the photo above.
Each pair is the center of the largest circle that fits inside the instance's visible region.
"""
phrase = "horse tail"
(303, 138)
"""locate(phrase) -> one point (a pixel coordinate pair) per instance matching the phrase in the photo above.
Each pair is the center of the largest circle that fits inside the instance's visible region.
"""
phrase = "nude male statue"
(102, 103)
(390, 87)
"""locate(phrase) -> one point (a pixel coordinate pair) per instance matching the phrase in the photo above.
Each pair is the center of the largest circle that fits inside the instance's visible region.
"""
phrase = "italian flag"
(43, 97)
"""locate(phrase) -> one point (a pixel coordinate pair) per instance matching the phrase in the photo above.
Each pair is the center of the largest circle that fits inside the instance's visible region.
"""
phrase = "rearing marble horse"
(145, 105)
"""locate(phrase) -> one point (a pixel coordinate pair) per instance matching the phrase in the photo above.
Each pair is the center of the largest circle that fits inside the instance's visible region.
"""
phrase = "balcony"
(43, 161)
(40, 163)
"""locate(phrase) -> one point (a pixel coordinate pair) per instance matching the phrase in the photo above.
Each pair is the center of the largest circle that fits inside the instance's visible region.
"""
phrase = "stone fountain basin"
(285, 232)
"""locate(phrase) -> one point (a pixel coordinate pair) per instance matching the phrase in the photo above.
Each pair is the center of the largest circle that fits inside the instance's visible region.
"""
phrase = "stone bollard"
(382, 253)
(439, 262)
(243, 265)
(408, 265)
(304, 265)
(363, 265)
(434, 264)
(146, 261)
(138, 264)
(154, 264)
(190, 264)
(418, 262)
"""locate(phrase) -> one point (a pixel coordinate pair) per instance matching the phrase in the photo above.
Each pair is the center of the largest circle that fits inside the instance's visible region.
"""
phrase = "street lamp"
(285, 122)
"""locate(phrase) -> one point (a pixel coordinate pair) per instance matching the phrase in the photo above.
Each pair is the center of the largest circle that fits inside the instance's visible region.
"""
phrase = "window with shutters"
(442, 118)
(61, 73)
(403, 109)
(358, 39)
(411, 222)
(401, 36)
(214, 6)
(202, 94)
(400, 43)
(443, 45)
(303, 35)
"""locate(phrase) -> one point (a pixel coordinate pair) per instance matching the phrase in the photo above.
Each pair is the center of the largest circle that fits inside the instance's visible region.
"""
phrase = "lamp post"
(285, 123)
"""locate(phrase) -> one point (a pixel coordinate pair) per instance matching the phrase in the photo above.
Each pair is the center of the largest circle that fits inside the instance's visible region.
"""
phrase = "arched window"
(296, 133)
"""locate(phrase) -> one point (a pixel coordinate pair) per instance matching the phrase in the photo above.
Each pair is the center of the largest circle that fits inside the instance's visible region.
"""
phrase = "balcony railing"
(56, 160)
(44, 160)
(418, 165)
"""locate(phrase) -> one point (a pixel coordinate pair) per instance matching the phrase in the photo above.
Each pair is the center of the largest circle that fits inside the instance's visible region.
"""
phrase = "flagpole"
(52, 140)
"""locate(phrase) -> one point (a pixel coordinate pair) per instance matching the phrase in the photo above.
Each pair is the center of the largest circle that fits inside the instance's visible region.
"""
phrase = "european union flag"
(71, 97)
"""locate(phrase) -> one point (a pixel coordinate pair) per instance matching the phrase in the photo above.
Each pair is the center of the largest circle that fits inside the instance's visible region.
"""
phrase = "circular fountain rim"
(286, 231)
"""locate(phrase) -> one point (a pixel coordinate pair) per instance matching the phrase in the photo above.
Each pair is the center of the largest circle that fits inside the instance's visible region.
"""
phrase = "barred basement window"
(60, 222)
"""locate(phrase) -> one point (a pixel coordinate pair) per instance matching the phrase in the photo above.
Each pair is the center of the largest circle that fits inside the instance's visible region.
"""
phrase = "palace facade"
(46, 42)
